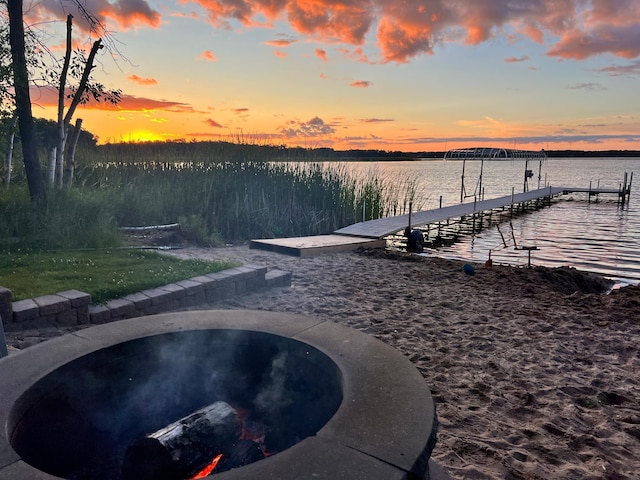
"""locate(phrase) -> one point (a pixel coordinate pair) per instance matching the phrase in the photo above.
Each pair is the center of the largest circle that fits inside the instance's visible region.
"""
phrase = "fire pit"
(234, 394)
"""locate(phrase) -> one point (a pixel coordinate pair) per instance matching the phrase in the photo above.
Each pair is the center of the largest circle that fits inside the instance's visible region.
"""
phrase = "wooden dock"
(372, 233)
(384, 227)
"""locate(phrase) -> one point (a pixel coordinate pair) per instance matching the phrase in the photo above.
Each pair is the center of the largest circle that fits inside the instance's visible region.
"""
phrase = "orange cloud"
(208, 56)
(279, 43)
(280, 54)
(348, 21)
(240, 111)
(321, 54)
(411, 28)
(142, 81)
(360, 84)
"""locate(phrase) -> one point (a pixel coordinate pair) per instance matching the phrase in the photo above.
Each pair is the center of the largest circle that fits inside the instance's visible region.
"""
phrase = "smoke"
(274, 394)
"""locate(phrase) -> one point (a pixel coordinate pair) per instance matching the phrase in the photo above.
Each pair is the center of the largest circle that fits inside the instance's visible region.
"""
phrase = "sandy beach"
(535, 374)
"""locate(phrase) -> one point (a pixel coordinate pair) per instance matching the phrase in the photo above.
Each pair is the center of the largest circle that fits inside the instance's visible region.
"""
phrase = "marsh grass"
(220, 192)
(104, 274)
(238, 200)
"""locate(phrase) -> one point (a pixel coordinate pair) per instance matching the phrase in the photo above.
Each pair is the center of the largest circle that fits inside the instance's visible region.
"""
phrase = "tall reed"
(236, 200)
(217, 190)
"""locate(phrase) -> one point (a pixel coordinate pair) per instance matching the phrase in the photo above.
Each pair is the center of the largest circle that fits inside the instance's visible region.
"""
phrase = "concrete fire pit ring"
(384, 428)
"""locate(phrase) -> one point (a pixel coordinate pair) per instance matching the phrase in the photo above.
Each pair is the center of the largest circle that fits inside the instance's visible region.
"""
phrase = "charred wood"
(182, 448)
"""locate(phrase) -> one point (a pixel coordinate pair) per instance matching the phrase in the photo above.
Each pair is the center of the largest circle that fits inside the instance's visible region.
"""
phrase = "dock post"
(511, 204)
(589, 193)
(629, 187)
(462, 182)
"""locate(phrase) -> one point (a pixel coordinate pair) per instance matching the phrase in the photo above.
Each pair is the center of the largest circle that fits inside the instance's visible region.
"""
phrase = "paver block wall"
(74, 307)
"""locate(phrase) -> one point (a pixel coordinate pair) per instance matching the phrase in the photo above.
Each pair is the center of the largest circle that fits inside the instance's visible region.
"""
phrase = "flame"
(208, 469)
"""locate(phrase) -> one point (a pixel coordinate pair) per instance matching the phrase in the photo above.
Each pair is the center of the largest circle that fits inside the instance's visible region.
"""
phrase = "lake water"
(597, 236)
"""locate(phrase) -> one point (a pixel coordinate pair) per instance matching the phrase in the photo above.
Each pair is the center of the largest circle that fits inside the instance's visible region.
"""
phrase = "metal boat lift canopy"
(492, 153)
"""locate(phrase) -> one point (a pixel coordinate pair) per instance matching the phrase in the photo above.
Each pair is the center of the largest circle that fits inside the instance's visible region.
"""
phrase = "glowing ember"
(208, 469)
(253, 431)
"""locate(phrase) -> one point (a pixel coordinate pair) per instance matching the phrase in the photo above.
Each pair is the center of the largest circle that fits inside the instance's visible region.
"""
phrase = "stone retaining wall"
(73, 307)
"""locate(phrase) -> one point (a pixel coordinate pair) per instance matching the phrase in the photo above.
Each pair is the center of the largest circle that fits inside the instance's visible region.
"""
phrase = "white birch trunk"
(51, 170)
(9, 157)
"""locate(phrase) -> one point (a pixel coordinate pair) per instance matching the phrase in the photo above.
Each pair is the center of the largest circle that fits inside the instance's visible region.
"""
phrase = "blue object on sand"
(468, 269)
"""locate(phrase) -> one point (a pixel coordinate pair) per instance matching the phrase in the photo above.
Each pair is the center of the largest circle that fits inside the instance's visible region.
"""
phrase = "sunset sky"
(377, 74)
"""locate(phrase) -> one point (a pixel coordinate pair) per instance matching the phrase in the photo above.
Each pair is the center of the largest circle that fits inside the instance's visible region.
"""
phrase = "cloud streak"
(212, 123)
(142, 81)
(524, 58)
(48, 97)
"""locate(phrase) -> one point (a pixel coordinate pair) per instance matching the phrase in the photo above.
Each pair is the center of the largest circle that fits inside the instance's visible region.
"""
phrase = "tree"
(35, 181)
(77, 67)
(86, 89)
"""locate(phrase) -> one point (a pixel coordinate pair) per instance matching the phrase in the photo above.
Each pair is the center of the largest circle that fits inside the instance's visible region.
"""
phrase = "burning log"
(182, 449)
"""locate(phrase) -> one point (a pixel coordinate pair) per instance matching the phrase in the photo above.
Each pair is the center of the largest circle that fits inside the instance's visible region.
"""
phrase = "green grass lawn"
(104, 274)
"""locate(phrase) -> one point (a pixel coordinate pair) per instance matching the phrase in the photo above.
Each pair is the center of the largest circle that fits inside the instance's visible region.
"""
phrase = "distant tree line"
(240, 151)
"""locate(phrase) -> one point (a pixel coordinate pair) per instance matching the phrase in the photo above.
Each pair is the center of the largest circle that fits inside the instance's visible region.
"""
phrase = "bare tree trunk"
(59, 168)
(28, 137)
(62, 125)
(84, 81)
(64, 120)
(71, 153)
(9, 157)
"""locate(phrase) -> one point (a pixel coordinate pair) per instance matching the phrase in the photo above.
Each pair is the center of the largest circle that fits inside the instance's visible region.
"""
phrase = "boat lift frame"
(493, 153)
